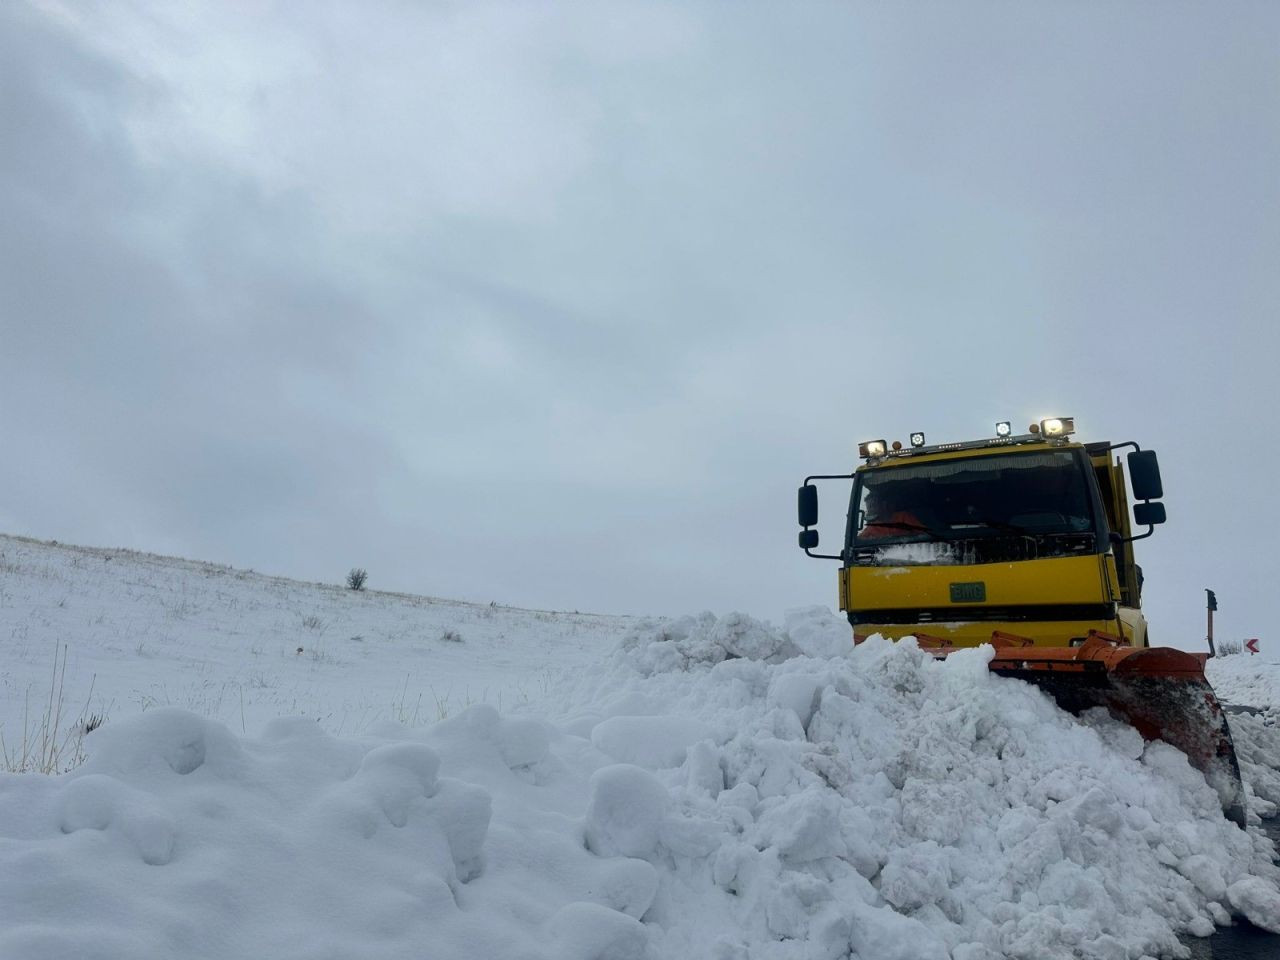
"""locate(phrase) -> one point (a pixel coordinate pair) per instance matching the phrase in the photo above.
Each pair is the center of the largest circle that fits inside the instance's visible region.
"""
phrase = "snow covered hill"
(295, 770)
(142, 631)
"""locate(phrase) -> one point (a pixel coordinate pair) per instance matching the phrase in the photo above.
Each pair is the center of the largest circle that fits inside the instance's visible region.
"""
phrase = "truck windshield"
(1036, 494)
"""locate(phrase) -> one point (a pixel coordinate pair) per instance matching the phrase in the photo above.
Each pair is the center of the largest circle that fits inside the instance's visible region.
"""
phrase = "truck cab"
(1028, 536)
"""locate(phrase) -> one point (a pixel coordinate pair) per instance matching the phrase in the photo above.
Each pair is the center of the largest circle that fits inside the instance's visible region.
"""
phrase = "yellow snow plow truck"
(1025, 542)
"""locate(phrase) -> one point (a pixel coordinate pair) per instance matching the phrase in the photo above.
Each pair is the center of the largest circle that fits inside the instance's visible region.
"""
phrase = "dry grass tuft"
(51, 744)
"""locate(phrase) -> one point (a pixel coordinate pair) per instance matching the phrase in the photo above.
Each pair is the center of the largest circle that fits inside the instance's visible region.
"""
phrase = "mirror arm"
(822, 556)
(808, 482)
(1127, 443)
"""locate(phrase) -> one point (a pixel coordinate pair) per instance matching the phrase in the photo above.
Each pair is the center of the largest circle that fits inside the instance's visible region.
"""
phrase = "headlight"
(1057, 427)
(1004, 428)
(872, 448)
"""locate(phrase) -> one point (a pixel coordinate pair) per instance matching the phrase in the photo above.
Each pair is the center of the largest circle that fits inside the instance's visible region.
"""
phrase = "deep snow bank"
(711, 789)
(904, 807)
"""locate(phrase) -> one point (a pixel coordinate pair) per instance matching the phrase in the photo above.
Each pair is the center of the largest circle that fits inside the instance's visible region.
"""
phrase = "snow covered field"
(143, 631)
(294, 770)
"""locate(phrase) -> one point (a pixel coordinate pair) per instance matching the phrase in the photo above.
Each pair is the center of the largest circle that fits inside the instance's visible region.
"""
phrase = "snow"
(1247, 679)
(906, 554)
(559, 785)
(1252, 682)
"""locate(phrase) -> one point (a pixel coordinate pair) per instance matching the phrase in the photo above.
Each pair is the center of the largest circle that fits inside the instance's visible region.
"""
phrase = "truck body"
(1029, 537)
(1026, 543)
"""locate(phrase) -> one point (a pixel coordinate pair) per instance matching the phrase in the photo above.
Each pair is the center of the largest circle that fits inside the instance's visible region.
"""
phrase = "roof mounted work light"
(872, 448)
(917, 439)
(1004, 428)
(1057, 427)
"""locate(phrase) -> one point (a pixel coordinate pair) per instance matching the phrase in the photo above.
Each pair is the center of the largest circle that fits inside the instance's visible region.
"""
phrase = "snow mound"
(883, 803)
(625, 811)
(708, 789)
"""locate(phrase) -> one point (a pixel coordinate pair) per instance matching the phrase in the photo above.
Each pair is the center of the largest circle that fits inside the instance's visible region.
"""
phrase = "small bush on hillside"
(356, 578)
(452, 636)
(1227, 647)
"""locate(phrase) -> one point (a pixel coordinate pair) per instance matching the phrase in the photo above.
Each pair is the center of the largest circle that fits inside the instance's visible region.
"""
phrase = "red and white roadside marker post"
(1251, 645)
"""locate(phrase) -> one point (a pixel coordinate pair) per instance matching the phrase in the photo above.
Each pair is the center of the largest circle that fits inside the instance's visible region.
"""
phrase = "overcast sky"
(556, 304)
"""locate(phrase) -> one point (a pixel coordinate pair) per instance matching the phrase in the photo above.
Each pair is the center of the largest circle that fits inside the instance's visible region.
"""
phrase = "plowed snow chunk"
(1258, 900)
(1258, 749)
(743, 636)
(1206, 874)
(588, 931)
(884, 934)
(652, 742)
(798, 692)
(628, 885)
(803, 827)
(666, 646)
(520, 742)
(816, 633)
(915, 876)
(703, 770)
(625, 812)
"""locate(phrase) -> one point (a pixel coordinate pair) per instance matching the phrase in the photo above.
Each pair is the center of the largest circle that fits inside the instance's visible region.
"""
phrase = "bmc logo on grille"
(968, 592)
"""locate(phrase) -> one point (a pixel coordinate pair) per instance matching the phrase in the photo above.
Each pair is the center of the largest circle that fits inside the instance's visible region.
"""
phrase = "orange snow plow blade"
(1160, 691)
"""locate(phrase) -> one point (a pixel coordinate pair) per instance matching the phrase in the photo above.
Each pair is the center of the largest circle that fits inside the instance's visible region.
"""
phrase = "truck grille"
(976, 550)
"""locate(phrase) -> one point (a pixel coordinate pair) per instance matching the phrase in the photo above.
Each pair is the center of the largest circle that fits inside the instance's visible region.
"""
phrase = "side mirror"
(1148, 514)
(807, 507)
(1144, 474)
(808, 539)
